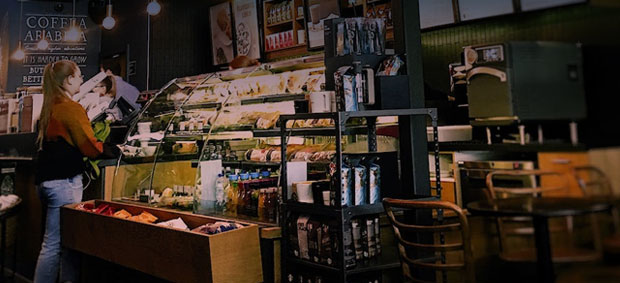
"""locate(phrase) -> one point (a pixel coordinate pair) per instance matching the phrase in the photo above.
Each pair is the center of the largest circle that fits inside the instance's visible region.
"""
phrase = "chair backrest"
(521, 226)
(592, 181)
(535, 190)
(415, 254)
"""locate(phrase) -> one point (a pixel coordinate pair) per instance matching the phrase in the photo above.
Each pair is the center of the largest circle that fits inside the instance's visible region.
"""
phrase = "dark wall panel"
(587, 23)
(180, 42)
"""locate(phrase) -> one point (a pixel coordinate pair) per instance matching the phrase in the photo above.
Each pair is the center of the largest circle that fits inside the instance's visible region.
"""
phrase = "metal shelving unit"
(343, 214)
(482, 146)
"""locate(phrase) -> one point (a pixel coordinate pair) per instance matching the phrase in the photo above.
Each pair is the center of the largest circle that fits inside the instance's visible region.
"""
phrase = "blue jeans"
(54, 194)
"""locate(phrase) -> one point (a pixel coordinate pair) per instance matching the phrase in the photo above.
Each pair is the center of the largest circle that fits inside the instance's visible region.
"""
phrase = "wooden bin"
(175, 255)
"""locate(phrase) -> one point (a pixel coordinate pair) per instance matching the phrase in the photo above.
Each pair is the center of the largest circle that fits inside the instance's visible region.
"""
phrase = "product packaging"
(374, 183)
(325, 245)
(377, 236)
(302, 235)
(357, 239)
(347, 246)
(370, 234)
(346, 193)
(292, 235)
(360, 184)
(313, 228)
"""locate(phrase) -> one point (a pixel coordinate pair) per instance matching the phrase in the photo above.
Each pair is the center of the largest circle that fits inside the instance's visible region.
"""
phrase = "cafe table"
(540, 209)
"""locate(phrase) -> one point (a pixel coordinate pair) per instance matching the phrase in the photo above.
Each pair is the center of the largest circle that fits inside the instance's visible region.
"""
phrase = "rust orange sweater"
(69, 137)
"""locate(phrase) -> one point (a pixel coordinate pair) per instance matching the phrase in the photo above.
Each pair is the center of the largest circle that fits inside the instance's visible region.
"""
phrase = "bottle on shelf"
(232, 195)
(220, 198)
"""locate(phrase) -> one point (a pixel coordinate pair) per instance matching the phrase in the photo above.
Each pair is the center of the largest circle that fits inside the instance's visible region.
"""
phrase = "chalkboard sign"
(436, 13)
(40, 21)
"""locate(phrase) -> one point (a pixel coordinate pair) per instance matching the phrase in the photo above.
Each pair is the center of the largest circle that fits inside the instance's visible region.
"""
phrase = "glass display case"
(198, 131)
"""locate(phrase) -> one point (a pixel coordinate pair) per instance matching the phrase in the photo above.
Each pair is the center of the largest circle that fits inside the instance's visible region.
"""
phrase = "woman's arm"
(73, 116)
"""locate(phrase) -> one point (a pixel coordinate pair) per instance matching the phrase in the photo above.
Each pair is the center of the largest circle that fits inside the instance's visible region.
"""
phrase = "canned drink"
(374, 183)
(346, 195)
(360, 173)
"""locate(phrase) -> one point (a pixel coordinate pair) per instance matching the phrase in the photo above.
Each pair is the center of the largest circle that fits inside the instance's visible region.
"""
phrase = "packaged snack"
(292, 235)
(377, 236)
(357, 239)
(144, 217)
(360, 185)
(346, 184)
(313, 228)
(340, 45)
(349, 91)
(122, 214)
(381, 34)
(374, 183)
(302, 236)
(175, 223)
(325, 245)
(370, 235)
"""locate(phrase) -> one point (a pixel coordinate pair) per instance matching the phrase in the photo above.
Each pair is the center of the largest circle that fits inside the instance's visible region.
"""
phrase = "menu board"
(476, 9)
(53, 29)
(436, 13)
(529, 5)
(42, 21)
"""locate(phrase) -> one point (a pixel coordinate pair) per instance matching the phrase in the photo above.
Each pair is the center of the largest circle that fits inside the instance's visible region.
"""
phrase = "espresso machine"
(523, 84)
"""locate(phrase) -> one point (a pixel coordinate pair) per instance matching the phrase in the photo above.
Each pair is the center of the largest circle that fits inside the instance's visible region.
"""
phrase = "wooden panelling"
(448, 192)
(562, 162)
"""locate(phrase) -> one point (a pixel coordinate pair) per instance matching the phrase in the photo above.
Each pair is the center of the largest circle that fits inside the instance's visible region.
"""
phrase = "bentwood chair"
(593, 182)
(439, 254)
(514, 232)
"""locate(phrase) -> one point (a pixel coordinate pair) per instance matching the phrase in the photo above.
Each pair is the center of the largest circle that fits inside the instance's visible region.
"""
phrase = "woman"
(106, 87)
(65, 137)
(106, 90)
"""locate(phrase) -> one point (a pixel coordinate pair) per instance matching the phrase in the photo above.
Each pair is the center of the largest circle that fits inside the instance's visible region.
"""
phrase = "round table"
(540, 209)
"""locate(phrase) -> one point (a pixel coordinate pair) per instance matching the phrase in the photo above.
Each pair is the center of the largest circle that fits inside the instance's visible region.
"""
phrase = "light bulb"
(43, 44)
(19, 53)
(153, 8)
(109, 22)
(72, 34)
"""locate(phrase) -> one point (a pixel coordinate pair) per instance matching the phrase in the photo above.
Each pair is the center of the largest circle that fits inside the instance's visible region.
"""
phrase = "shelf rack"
(343, 214)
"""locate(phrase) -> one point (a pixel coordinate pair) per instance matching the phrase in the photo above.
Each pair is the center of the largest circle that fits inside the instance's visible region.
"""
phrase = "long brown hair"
(53, 77)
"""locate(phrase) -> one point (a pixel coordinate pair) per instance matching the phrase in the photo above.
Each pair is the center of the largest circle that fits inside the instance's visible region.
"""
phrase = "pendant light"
(72, 34)
(109, 22)
(153, 8)
(19, 53)
(43, 44)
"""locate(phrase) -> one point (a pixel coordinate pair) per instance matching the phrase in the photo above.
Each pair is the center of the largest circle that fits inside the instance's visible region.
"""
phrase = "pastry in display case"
(190, 146)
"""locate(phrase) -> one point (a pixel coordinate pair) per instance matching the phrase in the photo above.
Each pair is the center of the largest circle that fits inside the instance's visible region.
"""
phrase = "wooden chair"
(594, 183)
(419, 255)
(521, 227)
